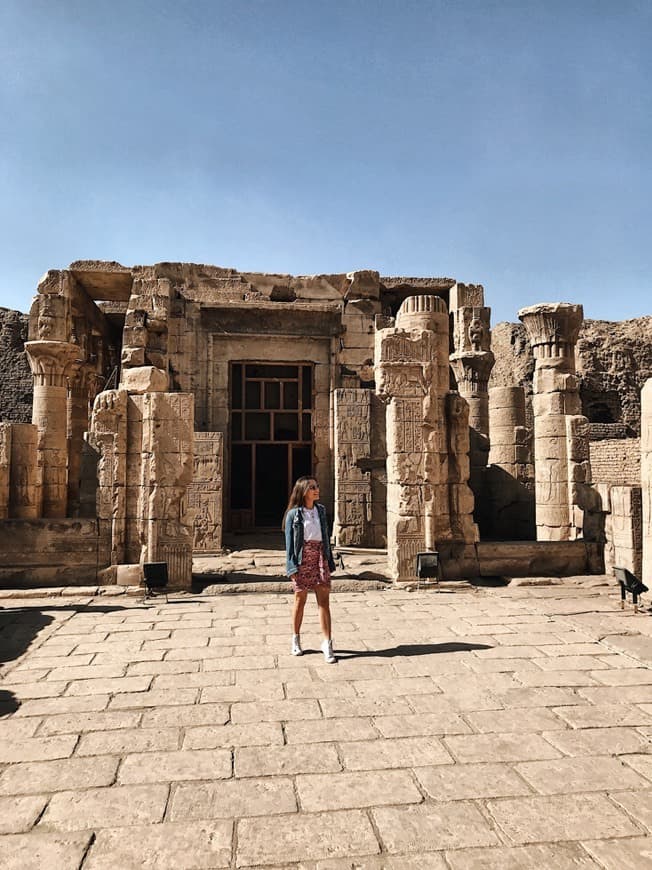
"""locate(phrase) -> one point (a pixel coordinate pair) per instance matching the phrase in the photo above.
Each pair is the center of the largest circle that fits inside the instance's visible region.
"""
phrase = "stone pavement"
(501, 728)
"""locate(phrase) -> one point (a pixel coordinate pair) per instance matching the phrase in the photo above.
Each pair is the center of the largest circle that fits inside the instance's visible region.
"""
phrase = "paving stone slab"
(52, 706)
(105, 807)
(453, 782)
(635, 854)
(538, 678)
(580, 774)
(27, 691)
(572, 663)
(36, 749)
(431, 827)
(246, 694)
(154, 698)
(18, 729)
(421, 725)
(561, 817)
(280, 760)
(540, 696)
(48, 776)
(400, 752)
(555, 857)
(234, 736)
(353, 707)
(174, 766)
(18, 814)
(168, 846)
(128, 740)
(625, 676)
(339, 791)
(235, 798)
(186, 716)
(313, 689)
(425, 861)
(605, 715)
(636, 694)
(637, 803)
(161, 667)
(85, 672)
(66, 723)
(275, 711)
(304, 837)
(395, 687)
(641, 763)
(494, 666)
(471, 748)
(198, 679)
(34, 851)
(599, 741)
(524, 719)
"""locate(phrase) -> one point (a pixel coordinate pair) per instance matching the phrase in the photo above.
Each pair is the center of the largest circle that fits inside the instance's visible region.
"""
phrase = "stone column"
(561, 446)
(424, 434)
(5, 465)
(472, 362)
(472, 370)
(52, 363)
(511, 472)
(646, 478)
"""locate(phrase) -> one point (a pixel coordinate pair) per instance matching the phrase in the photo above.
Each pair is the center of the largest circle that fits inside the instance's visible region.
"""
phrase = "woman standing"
(309, 559)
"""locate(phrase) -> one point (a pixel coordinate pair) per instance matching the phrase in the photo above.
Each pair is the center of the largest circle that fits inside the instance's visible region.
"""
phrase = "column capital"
(472, 370)
(52, 362)
(552, 329)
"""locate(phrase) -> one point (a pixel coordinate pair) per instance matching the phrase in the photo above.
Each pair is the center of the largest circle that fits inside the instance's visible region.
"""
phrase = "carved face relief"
(476, 333)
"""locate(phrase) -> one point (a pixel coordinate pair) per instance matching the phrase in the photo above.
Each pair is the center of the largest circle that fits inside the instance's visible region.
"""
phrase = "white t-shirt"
(311, 525)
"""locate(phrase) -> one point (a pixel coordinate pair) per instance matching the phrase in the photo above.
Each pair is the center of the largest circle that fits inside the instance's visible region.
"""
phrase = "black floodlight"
(428, 565)
(629, 583)
(155, 577)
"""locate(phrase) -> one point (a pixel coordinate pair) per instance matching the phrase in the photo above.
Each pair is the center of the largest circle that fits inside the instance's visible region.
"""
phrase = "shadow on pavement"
(416, 649)
(9, 703)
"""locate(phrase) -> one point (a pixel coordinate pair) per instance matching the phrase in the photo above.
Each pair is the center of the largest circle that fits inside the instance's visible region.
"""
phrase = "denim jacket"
(294, 539)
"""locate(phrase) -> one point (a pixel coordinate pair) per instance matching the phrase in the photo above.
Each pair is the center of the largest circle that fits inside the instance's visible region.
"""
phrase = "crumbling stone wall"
(617, 461)
(614, 359)
(15, 375)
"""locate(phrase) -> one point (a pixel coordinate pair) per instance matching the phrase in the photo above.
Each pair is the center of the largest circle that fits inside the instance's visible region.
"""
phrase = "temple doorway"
(271, 442)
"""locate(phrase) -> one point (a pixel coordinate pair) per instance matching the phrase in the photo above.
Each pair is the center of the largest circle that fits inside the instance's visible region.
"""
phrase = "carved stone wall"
(26, 473)
(205, 491)
(145, 448)
(360, 473)
(646, 479)
(622, 507)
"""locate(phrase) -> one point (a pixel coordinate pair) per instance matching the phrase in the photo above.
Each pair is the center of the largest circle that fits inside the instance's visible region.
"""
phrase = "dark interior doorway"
(271, 439)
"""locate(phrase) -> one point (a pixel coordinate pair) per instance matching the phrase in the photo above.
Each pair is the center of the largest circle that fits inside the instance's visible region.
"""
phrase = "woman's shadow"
(411, 649)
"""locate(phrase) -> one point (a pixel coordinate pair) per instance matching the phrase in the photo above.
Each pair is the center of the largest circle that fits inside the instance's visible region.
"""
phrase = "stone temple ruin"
(172, 402)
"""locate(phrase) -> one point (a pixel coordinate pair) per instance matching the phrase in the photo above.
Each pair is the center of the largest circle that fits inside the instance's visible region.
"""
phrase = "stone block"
(144, 379)
(129, 575)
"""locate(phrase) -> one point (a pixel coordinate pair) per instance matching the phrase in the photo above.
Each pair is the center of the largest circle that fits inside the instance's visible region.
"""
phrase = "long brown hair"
(297, 495)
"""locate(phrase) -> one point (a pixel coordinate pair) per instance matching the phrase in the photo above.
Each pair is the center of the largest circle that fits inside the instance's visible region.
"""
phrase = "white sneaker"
(327, 649)
(296, 646)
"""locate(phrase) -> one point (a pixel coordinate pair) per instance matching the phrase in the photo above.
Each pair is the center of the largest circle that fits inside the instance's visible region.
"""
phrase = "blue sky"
(502, 142)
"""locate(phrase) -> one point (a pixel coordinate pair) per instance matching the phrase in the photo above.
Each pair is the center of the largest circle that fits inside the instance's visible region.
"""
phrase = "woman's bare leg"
(323, 603)
(297, 610)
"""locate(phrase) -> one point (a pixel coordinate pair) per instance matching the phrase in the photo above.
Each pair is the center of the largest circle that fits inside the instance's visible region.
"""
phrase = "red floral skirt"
(313, 570)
